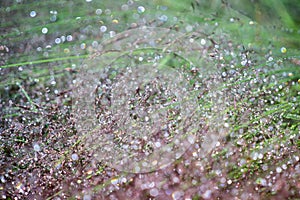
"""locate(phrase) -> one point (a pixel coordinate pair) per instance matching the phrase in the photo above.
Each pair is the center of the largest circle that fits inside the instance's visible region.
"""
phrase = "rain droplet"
(66, 50)
(177, 195)
(107, 11)
(163, 18)
(203, 42)
(141, 9)
(103, 29)
(82, 45)
(87, 197)
(98, 11)
(154, 192)
(207, 194)
(44, 30)
(283, 50)
(189, 28)
(69, 38)
(278, 170)
(74, 156)
(114, 181)
(32, 13)
(226, 125)
(53, 18)
(36, 147)
(57, 40)
(112, 33)
(124, 7)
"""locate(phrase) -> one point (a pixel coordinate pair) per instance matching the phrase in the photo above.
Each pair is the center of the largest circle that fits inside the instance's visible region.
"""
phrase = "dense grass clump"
(216, 83)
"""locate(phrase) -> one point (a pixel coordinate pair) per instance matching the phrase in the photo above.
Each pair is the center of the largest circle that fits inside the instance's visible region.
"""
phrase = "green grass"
(260, 99)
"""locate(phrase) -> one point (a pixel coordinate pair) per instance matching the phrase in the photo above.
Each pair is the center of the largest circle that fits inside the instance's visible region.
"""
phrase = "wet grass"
(258, 158)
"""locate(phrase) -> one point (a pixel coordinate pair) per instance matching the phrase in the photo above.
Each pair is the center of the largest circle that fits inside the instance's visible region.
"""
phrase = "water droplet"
(244, 62)
(98, 11)
(53, 18)
(260, 156)
(261, 181)
(32, 13)
(87, 197)
(202, 41)
(207, 194)
(82, 45)
(115, 21)
(226, 125)
(141, 9)
(57, 40)
(95, 44)
(189, 28)
(36, 147)
(154, 192)
(278, 170)
(53, 12)
(107, 11)
(66, 50)
(177, 195)
(74, 156)
(283, 50)
(63, 38)
(103, 29)
(69, 38)
(124, 7)
(114, 181)
(163, 18)
(44, 30)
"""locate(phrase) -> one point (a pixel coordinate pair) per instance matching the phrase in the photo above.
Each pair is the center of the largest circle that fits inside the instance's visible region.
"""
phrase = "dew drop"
(32, 13)
(189, 28)
(103, 29)
(177, 195)
(82, 45)
(154, 192)
(283, 50)
(69, 38)
(74, 156)
(202, 41)
(124, 7)
(141, 9)
(278, 170)
(98, 11)
(53, 18)
(163, 18)
(44, 30)
(207, 194)
(57, 40)
(87, 197)
(36, 147)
